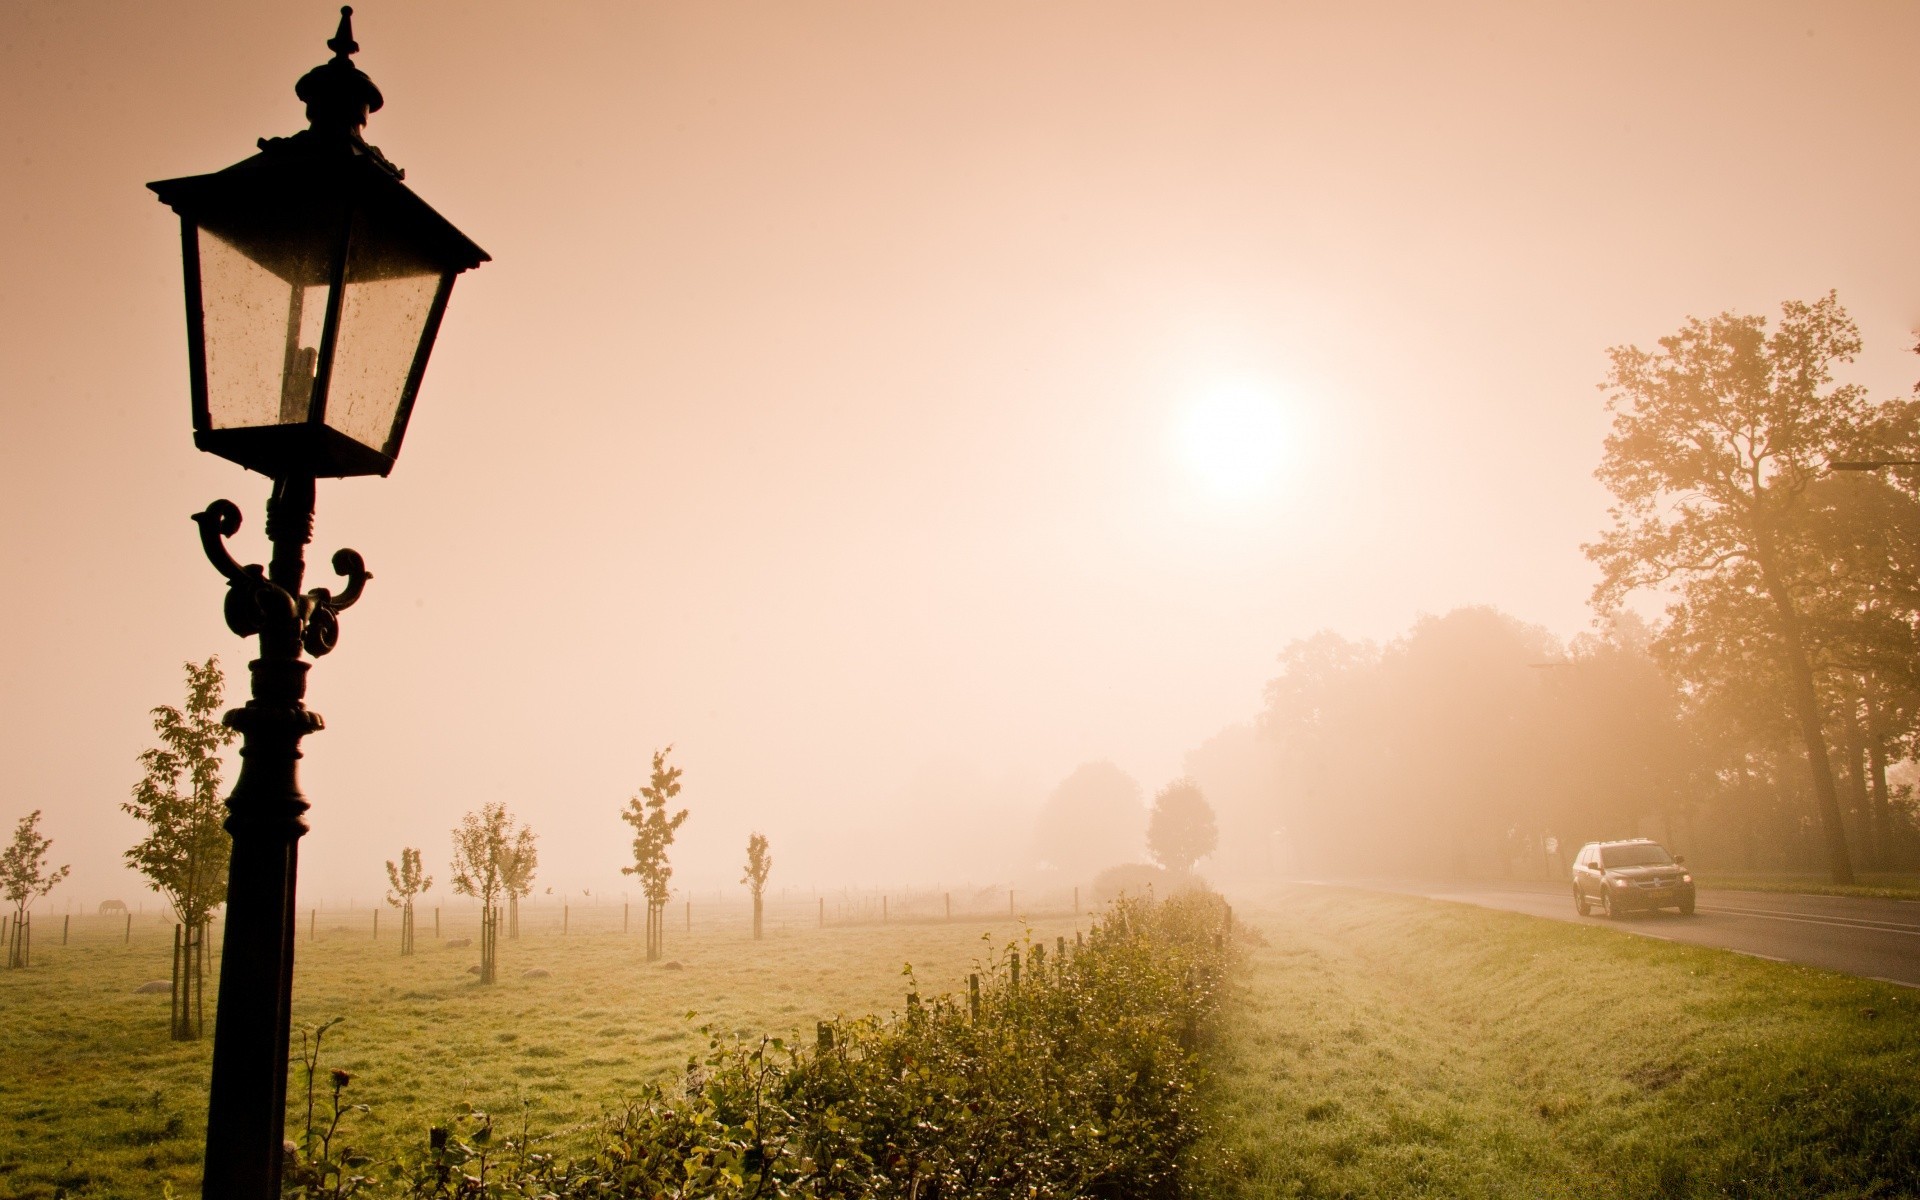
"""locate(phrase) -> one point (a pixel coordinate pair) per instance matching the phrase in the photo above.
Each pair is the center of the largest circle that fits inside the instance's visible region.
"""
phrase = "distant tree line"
(1768, 719)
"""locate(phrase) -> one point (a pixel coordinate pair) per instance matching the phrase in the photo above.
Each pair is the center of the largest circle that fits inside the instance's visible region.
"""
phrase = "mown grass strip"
(1890, 885)
(1388, 1046)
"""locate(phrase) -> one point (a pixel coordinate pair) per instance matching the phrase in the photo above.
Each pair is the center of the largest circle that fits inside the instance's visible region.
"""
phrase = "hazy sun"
(1234, 440)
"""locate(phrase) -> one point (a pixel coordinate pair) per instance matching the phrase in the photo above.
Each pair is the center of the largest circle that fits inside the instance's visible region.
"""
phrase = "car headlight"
(1619, 883)
(1686, 879)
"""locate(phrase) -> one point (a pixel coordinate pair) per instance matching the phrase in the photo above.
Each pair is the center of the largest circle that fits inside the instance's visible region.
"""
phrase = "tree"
(184, 855)
(518, 860)
(24, 878)
(1093, 819)
(1716, 438)
(483, 844)
(1180, 830)
(759, 865)
(653, 832)
(408, 881)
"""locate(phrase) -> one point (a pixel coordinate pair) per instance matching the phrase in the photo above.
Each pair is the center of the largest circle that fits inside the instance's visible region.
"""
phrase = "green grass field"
(95, 1100)
(1389, 1046)
(1376, 1046)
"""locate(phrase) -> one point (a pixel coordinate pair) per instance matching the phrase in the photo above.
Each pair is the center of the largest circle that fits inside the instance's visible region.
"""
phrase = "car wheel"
(1686, 907)
(1580, 904)
(1606, 904)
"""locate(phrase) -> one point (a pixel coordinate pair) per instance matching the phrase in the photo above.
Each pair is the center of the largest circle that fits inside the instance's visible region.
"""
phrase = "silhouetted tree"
(1180, 829)
(759, 865)
(184, 855)
(1093, 819)
(653, 832)
(482, 845)
(519, 859)
(24, 878)
(408, 881)
(1716, 438)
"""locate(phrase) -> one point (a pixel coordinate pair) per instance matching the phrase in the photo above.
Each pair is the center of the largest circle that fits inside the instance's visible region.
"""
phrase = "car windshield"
(1644, 855)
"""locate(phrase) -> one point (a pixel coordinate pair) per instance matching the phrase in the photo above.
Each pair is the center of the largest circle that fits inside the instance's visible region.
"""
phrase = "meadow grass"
(1375, 1046)
(96, 1102)
(1389, 1046)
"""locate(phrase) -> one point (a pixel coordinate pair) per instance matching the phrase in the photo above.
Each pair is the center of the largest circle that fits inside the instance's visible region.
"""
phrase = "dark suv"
(1623, 876)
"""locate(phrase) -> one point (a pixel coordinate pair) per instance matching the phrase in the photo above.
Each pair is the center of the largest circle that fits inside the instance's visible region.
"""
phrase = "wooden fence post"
(129, 938)
(436, 922)
(883, 910)
(626, 914)
(689, 916)
(949, 906)
(1076, 900)
(563, 920)
(313, 923)
(973, 998)
(823, 912)
(1010, 908)
(376, 924)
(66, 923)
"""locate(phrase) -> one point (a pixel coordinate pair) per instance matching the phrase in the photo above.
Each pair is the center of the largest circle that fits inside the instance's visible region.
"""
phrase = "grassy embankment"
(95, 1100)
(1389, 1046)
(1882, 885)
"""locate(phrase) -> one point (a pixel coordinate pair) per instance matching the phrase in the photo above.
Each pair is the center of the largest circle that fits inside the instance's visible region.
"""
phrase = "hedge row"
(1061, 1073)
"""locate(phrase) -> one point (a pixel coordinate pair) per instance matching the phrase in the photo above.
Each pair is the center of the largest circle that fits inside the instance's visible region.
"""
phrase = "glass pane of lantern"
(262, 327)
(383, 314)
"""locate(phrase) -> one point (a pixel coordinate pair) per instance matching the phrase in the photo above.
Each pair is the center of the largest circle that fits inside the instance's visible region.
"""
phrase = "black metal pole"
(247, 1103)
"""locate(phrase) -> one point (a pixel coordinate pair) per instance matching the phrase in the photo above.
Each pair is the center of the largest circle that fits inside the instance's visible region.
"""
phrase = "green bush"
(1065, 1075)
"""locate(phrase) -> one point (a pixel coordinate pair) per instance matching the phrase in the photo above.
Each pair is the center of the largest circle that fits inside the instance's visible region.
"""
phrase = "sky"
(891, 406)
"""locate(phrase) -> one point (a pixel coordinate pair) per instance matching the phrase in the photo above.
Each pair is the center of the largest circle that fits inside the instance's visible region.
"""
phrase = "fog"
(895, 408)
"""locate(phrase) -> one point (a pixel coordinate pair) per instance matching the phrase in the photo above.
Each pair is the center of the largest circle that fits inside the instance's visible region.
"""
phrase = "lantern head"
(315, 284)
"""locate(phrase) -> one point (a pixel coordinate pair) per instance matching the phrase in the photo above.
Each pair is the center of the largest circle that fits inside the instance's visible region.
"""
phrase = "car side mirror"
(1679, 858)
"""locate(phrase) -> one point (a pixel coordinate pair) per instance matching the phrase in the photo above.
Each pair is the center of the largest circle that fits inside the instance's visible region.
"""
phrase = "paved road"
(1876, 939)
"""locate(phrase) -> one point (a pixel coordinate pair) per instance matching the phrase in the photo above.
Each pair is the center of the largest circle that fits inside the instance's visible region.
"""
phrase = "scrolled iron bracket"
(323, 608)
(257, 605)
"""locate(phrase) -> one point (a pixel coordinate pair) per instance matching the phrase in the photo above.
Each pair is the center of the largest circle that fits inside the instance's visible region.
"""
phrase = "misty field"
(1388, 1046)
(105, 1106)
(1373, 1046)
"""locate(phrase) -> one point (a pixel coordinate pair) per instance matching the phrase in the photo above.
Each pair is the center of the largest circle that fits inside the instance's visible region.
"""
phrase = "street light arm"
(321, 631)
(350, 566)
(221, 520)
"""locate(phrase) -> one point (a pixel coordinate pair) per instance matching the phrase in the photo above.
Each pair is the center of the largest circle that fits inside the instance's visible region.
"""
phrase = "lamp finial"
(342, 43)
(338, 94)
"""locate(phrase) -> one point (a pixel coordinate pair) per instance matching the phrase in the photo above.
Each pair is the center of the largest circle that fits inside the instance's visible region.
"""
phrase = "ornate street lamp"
(315, 284)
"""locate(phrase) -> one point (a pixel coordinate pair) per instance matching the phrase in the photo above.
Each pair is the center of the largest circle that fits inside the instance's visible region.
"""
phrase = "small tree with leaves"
(481, 845)
(519, 858)
(184, 855)
(1181, 829)
(759, 866)
(24, 878)
(408, 881)
(653, 832)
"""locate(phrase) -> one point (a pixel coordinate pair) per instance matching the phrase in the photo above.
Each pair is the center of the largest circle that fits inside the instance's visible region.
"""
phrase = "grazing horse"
(112, 906)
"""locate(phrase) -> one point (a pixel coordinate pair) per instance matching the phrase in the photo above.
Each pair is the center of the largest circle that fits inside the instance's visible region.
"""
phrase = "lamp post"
(315, 283)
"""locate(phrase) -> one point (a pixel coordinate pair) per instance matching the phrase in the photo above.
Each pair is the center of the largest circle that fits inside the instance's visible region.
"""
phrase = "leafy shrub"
(1143, 879)
(1065, 1075)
